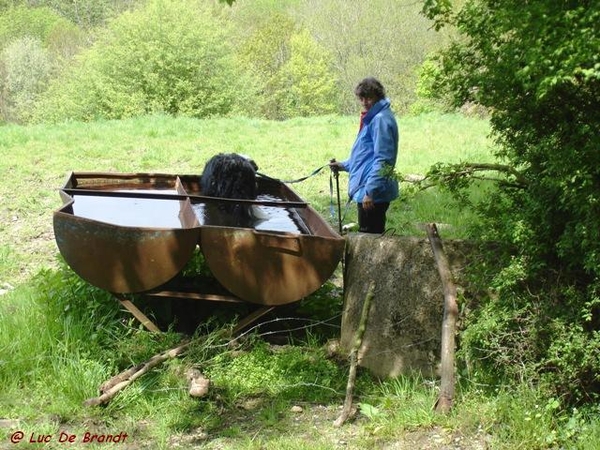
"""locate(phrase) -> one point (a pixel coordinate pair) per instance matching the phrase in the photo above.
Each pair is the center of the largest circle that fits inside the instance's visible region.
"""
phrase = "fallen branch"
(446, 397)
(360, 331)
(125, 378)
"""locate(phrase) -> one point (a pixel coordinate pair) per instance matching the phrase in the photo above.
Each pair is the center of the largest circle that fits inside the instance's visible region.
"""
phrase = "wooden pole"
(446, 397)
(360, 331)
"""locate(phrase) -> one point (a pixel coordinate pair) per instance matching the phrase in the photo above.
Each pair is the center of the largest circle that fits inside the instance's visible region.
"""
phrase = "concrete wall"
(404, 327)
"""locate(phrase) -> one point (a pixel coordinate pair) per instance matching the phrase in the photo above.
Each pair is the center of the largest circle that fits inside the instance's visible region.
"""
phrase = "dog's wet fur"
(230, 175)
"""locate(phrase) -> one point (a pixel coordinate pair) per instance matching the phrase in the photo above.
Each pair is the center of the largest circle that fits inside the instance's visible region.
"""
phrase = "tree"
(292, 72)
(306, 82)
(536, 66)
(381, 38)
(168, 57)
(87, 14)
(26, 68)
(34, 43)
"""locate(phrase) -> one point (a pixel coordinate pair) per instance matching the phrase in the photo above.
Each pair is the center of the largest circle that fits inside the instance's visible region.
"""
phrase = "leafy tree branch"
(455, 176)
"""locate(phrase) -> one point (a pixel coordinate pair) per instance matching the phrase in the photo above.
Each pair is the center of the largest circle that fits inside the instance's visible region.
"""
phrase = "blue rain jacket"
(375, 147)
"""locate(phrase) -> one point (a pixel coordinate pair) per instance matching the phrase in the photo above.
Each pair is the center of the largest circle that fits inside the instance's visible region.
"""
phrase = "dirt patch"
(312, 425)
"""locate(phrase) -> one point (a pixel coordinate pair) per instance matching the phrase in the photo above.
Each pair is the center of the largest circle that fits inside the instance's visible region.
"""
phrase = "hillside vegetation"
(274, 60)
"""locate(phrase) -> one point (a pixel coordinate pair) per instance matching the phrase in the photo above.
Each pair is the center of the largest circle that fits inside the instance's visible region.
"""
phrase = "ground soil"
(314, 424)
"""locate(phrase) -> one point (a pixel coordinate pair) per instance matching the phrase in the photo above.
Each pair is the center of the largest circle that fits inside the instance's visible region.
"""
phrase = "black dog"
(229, 175)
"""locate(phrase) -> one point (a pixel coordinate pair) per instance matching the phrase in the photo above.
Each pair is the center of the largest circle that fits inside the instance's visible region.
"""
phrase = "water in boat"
(129, 211)
(263, 218)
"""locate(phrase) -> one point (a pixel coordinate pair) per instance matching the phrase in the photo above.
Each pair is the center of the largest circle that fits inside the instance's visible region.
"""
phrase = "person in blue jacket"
(372, 158)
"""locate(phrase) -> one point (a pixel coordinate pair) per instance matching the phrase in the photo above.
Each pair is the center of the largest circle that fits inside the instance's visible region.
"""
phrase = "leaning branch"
(360, 331)
(470, 168)
(513, 178)
(446, 397)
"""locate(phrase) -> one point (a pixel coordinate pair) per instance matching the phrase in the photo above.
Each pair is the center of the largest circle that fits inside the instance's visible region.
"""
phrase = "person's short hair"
(370, 88)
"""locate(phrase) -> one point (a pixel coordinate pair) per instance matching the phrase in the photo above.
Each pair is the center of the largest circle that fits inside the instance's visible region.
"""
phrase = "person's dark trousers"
(373, 220)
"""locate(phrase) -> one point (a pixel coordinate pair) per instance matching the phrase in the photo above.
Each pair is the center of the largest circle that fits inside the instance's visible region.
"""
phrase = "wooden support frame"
(447, 366)
(139, 315)
(151, 326)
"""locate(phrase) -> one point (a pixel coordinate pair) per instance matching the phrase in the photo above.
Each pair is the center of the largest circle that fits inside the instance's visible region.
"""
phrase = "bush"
(380, 38)
(428, 99)
(292, 72)
(306, 82)
(33, 43)
(536, 68)
(21, 22)
(154, 60)
(26, 70)
(263, 54)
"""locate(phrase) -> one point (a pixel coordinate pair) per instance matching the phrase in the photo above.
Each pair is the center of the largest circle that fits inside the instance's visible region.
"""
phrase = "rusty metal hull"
(269, 269)
(265, 267)
(122, 259)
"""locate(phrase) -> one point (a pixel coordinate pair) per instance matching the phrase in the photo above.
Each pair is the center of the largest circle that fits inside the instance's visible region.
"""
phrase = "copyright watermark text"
(63, 437)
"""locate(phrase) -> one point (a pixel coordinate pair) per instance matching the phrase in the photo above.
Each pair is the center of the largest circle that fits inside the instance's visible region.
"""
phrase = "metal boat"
(134, 233)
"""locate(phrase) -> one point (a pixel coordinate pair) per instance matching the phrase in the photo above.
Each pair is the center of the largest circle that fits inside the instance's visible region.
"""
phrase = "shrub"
(26, 70)
(20, 22)
(263, 54)
(306, 82)
(292, 72)
(536, 68)
(380, 38)
(169, 57)
(429, 99)
(34, 42)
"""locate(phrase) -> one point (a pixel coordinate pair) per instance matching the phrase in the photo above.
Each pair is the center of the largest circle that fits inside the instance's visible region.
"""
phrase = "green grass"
(61, 338)
(34, 161)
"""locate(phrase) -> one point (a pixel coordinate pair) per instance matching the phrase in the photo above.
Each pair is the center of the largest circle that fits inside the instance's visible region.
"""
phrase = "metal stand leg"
(139, 315)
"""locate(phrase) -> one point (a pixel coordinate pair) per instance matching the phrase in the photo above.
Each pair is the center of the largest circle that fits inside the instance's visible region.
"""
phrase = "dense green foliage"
(199, 58)
(292, 72)
(536, 66)
(151, 60)
(383, 38)
(20, 22)
(27, 67)
(34, 43)
(86, 14)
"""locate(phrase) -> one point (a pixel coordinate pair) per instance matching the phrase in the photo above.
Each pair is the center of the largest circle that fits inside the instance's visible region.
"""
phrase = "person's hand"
(335, 166)
(367, 203)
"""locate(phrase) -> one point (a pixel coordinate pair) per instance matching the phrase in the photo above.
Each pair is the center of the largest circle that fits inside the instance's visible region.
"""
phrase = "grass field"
(34, 161)
(60, 338)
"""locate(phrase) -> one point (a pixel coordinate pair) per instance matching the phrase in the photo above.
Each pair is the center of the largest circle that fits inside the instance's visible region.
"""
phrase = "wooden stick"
(124, 379)
(360, 331)
(446, 397)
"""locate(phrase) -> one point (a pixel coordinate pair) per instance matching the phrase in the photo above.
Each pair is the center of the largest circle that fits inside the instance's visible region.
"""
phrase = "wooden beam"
(139, 315)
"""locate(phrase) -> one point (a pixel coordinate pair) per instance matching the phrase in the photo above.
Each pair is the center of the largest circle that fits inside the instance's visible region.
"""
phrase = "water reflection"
(164, 213)
(259, 217)
(129, 211)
